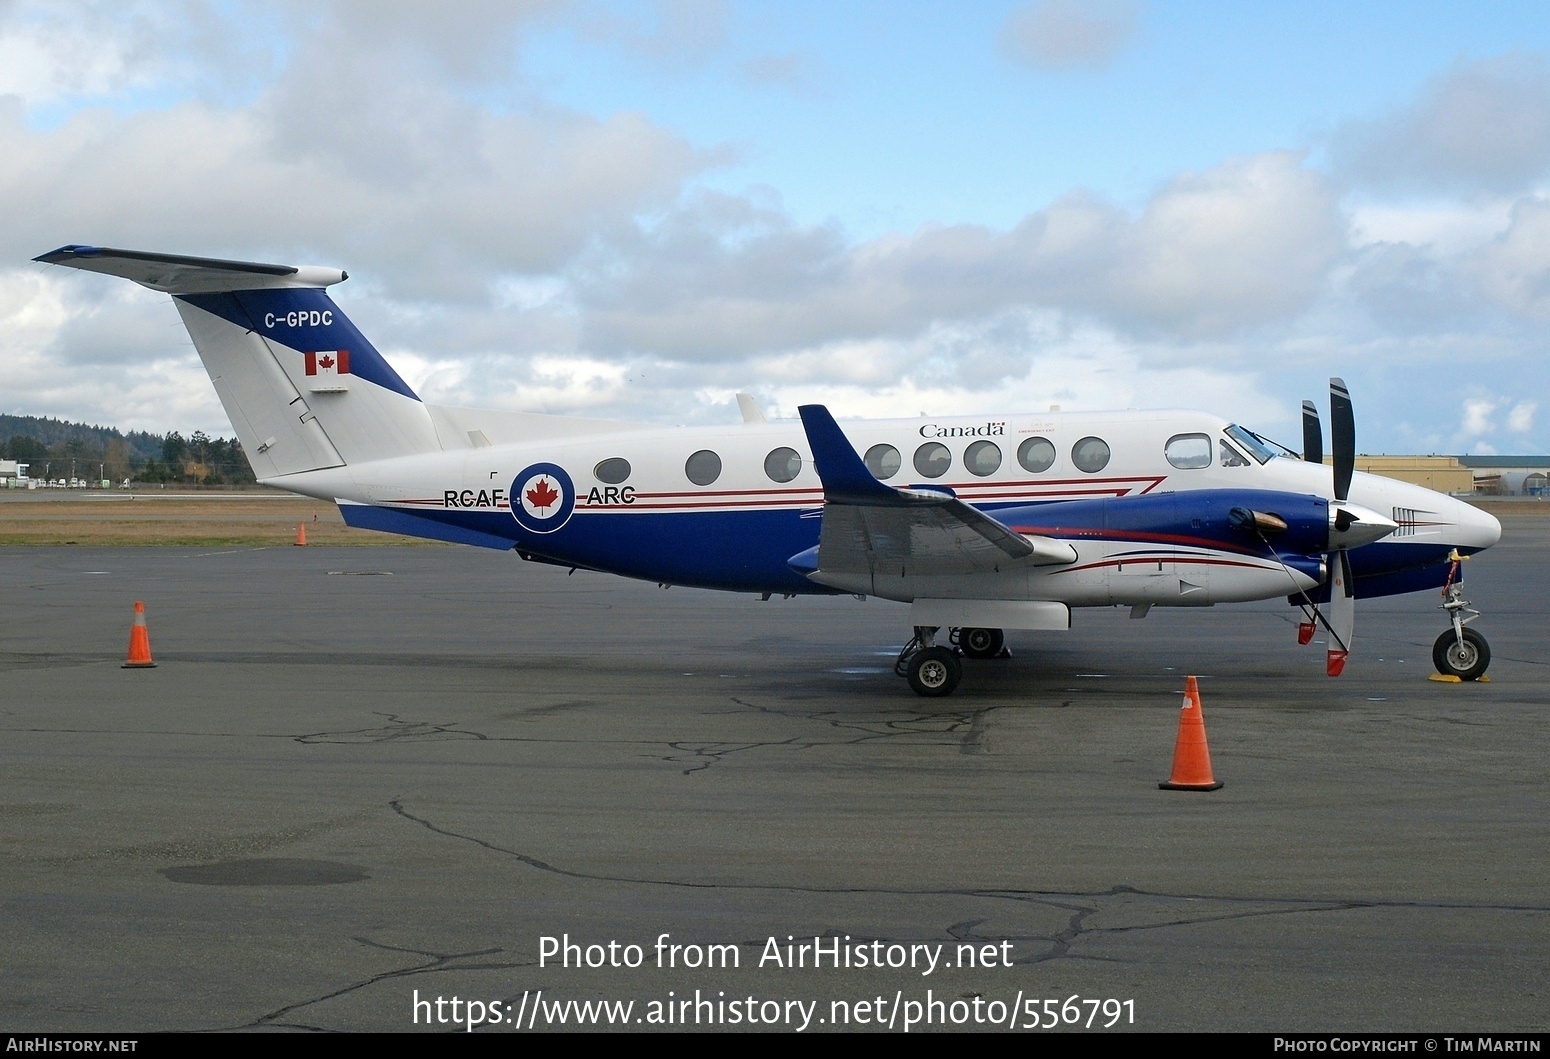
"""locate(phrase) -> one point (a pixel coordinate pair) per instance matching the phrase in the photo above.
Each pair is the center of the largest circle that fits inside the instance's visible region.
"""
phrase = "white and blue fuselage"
(627, 504)
(977, 522)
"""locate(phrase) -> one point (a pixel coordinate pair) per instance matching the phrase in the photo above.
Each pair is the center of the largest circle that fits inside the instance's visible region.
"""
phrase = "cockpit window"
(1231, 457)
(1256, 448)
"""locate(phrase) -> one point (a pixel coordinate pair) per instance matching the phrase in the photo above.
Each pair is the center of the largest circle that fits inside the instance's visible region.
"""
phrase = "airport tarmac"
(358, 777)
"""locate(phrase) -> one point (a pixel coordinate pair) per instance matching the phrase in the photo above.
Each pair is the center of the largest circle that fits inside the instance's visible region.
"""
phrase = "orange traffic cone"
(1191, 756)
(139, 642)
(301, 534)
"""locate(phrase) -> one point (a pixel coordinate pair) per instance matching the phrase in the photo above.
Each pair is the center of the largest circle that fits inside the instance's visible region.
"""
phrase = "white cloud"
(508, 251)
(1484, 125)
(1514, 268)
(1248, 241)
(116, 357)
(49, 51)
(1447, 226)
(1521, 419)
(1477, 416)
(1065, 34)
(671, 33)
(466, 40)
(1244, 244)
(426, 191)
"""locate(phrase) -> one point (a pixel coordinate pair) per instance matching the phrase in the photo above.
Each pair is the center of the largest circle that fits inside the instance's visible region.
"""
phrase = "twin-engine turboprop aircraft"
(979, 524)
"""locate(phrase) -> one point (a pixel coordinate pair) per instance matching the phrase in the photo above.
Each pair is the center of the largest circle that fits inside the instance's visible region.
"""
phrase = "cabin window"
(1188, 452)
(1036, 455)
(1090, 455)
(782, 465)
(1231, 457)
(933, 459)
(612, 471)
(703, 468)
(883, 461)
(982, 458)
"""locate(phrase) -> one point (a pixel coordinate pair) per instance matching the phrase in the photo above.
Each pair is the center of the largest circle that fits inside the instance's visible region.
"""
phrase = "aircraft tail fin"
(303, 387)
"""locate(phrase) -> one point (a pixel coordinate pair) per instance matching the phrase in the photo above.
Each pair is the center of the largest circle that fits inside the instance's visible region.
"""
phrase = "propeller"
(1342, 436)
(1341, 621)
(1350, 525)
(1312, 435)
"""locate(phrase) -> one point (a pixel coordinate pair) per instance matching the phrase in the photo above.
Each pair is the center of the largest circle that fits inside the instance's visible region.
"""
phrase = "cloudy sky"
(636, 209)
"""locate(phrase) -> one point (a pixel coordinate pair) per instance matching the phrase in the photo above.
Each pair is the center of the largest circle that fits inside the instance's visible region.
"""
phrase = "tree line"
(53, 446)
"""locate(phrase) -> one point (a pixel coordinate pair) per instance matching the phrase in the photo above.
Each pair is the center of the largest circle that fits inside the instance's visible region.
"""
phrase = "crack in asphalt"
(915, 722)
(436, 963)
(1050, 898)
(394, 730)
(708, 754)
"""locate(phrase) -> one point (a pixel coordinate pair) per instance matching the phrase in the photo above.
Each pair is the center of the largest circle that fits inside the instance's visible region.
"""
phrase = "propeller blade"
(1342, 436)
(1312, 434)
(1342, 613)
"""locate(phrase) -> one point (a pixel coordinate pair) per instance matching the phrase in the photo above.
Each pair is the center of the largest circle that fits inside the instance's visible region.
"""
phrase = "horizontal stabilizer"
(176, 274)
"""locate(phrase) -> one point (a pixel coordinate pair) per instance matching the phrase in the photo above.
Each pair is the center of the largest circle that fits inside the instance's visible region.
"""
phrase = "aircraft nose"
(1477, 529)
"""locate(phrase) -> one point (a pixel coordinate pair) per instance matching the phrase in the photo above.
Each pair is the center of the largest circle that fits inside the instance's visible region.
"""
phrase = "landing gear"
(931, 670)
(934, 672)
(1460, 652)
(1463, 655)
(980, 643)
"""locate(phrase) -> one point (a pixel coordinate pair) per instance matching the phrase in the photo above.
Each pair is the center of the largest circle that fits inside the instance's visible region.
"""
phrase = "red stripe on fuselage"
(1065, 532)
(1186, 560)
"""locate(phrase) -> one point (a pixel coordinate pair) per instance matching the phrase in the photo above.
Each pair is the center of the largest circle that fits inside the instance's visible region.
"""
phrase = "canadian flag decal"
(328, 362)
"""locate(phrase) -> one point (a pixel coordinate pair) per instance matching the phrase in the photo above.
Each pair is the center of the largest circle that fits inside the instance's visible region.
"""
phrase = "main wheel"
(981, 643)
(934, 671)
(1467, 661)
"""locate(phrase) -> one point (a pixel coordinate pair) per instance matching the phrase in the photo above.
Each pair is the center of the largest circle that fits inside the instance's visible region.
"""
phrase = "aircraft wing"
(871, 528)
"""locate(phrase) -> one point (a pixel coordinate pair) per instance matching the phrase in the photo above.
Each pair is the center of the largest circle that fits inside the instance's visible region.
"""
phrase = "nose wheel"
(1460, 652)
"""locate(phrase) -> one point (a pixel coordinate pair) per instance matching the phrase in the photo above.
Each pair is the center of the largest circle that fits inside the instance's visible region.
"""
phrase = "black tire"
(934, 672)
(1467, 662)
(981, 643)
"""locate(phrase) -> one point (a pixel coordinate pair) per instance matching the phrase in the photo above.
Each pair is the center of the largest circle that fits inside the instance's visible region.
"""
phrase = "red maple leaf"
(326, 362)
(541, 496)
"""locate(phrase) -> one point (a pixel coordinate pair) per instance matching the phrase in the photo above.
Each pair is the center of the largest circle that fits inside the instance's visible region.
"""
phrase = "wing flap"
(870, 528)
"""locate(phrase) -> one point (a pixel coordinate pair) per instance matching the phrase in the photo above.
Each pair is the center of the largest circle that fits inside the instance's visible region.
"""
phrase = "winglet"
(844, 475)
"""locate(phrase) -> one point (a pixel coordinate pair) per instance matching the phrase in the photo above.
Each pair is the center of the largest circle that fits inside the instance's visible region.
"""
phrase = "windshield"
(1255, 444)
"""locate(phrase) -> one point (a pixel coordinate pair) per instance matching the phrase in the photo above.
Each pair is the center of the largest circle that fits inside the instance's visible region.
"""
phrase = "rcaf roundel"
(542, 498)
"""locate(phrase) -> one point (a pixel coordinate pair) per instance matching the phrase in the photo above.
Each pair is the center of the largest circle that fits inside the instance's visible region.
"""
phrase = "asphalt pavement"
(358, 779)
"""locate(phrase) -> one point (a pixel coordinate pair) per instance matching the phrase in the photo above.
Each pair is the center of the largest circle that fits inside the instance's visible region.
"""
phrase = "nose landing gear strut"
(1460, 652)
